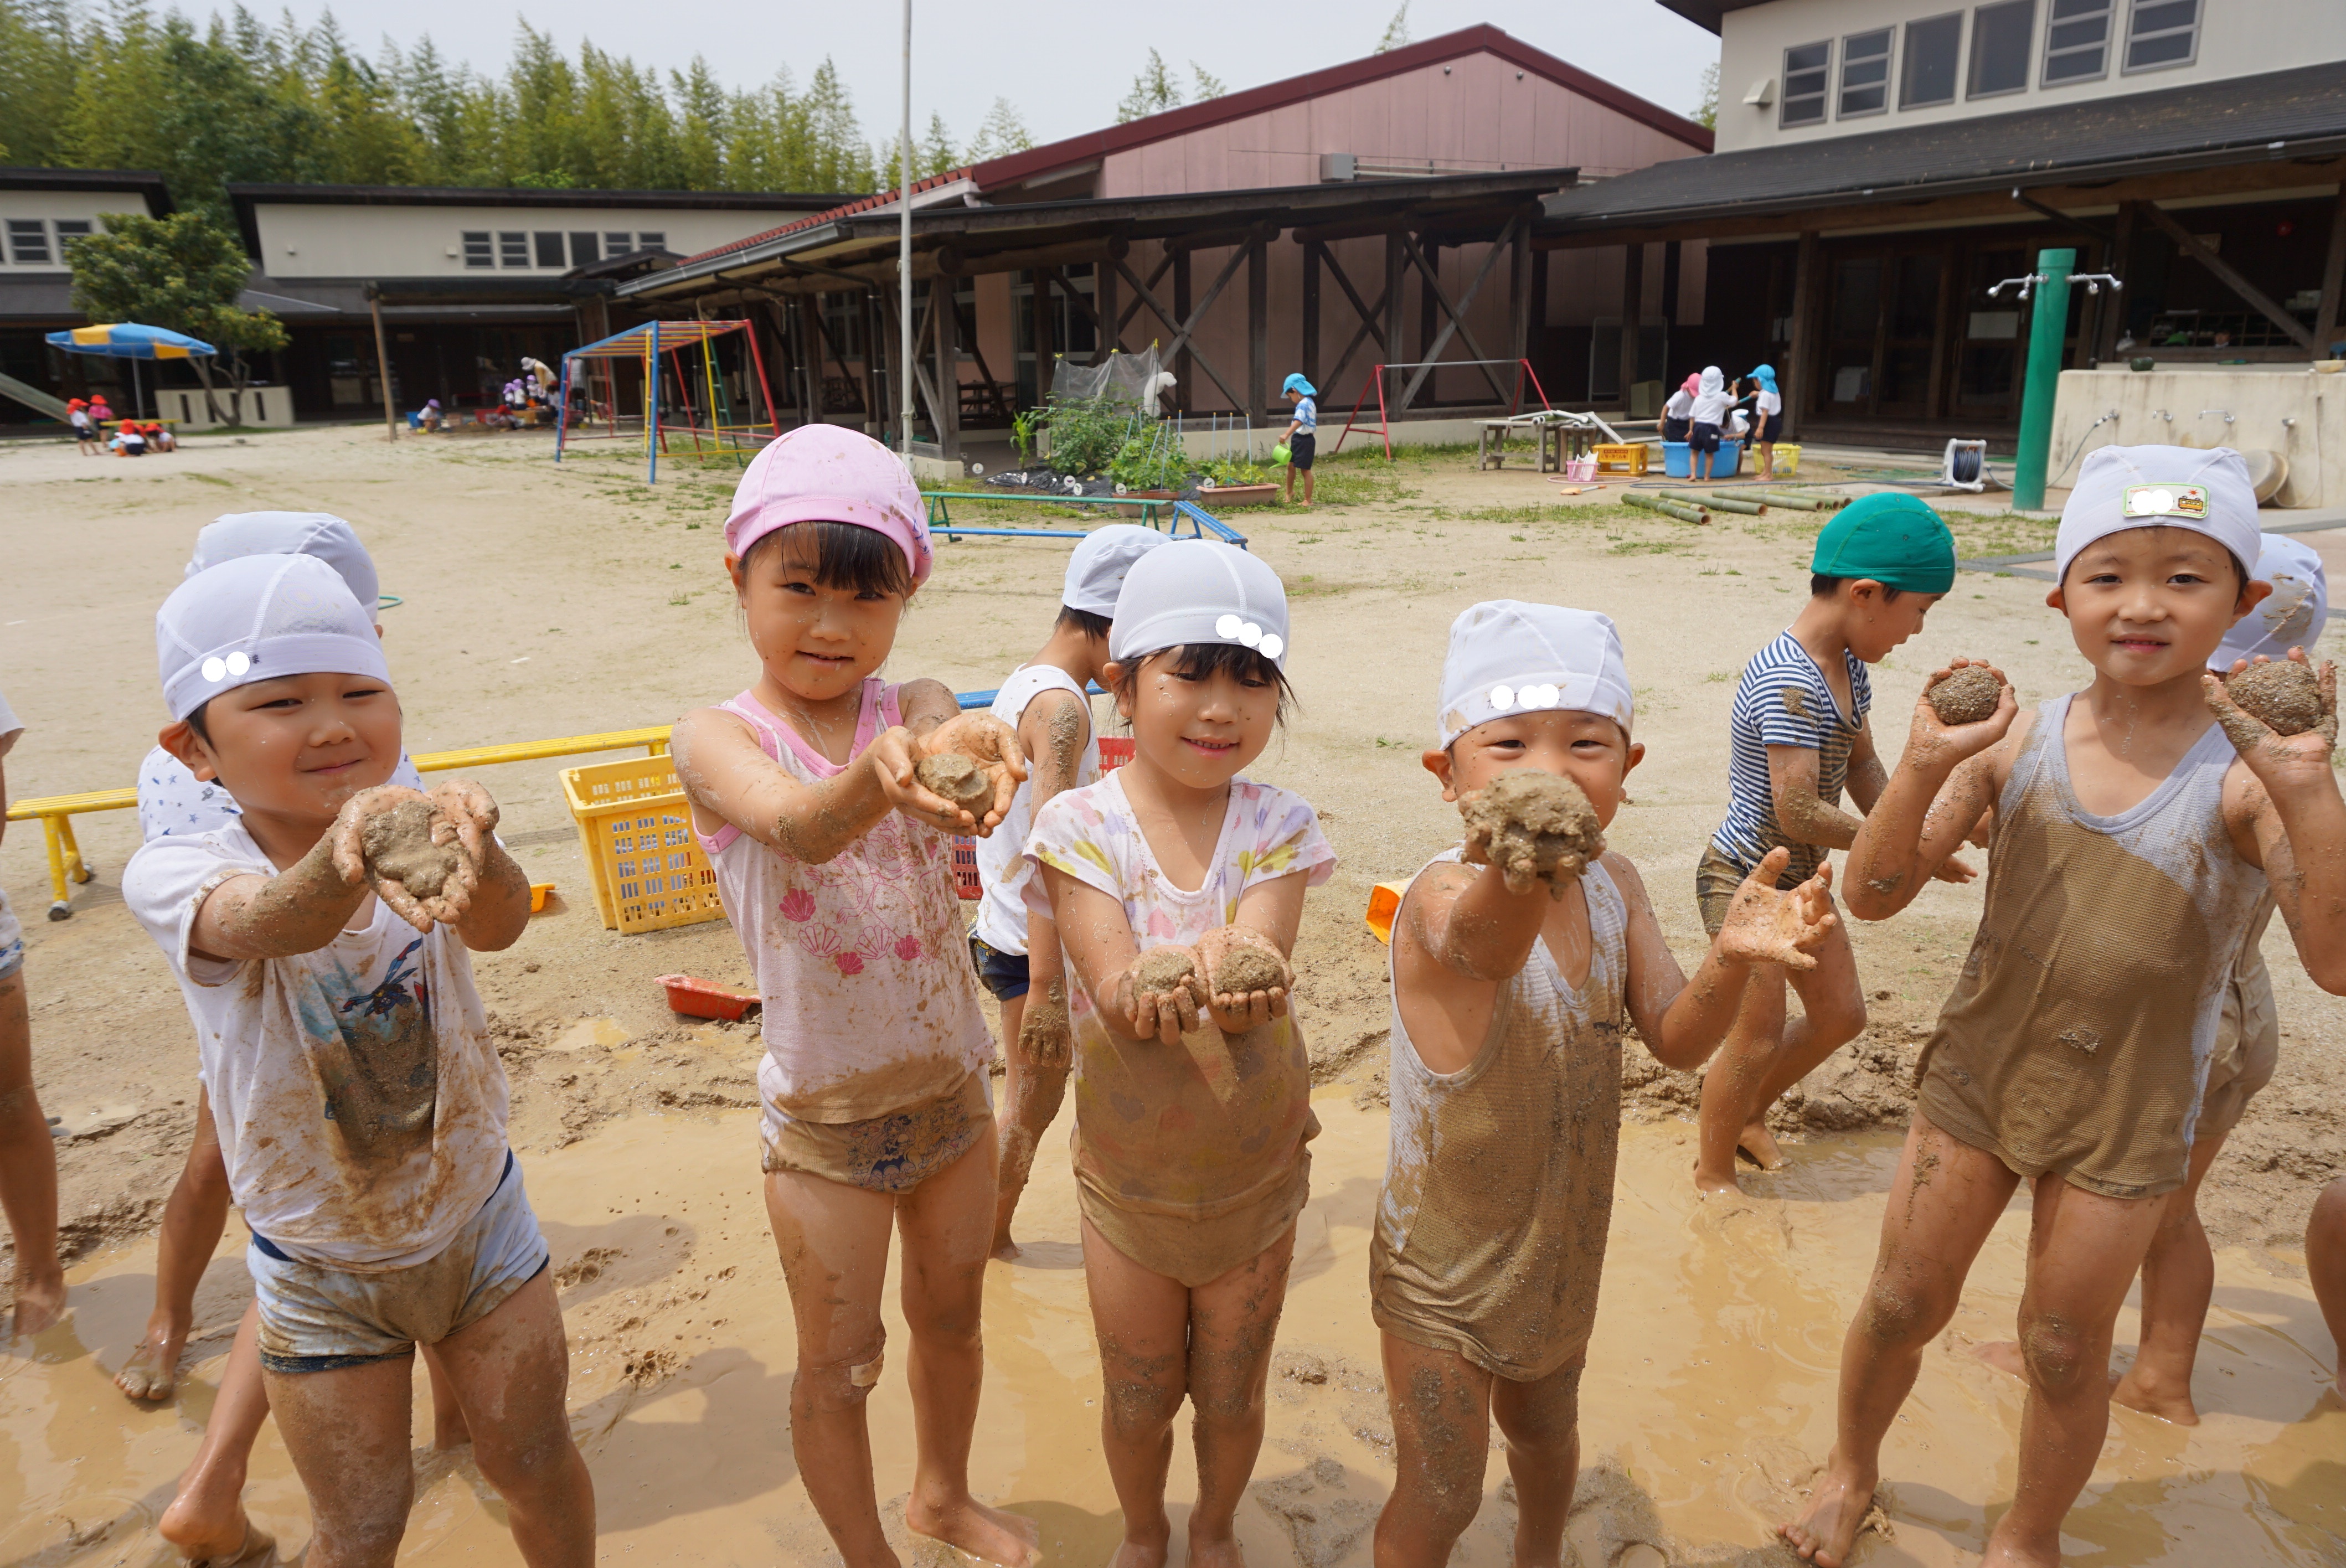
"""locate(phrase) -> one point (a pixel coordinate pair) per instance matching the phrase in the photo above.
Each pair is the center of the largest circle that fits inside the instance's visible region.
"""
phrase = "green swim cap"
(1892, 538)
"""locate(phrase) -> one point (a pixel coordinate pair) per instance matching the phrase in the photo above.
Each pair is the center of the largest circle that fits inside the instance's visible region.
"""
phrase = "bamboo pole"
(1715, 502)
(1678, 509)
(1797, 502)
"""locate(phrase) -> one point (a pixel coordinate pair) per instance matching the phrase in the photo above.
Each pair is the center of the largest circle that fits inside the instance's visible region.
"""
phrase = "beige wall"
(2298, 412)
(300, 240)
(45, 208)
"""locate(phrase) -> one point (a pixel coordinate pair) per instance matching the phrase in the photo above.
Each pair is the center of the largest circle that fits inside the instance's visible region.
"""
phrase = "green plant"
(1151, 460)
(1021, 433)
(1225, 471)
(1086, 433)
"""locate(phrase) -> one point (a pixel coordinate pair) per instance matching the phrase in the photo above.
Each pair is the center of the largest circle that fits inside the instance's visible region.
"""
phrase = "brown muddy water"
(1709, 1398)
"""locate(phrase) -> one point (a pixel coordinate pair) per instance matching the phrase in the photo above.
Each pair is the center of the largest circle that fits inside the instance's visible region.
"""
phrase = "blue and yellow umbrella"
(130, 341)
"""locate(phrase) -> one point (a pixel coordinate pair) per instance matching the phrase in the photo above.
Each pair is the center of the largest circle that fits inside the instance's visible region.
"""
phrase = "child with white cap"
(359, 1100)
(836, 866)
(2139, 825)
(29, 1157)
(2178, 1273)
(1513, 987)
(1165, 879)
(1015, 949)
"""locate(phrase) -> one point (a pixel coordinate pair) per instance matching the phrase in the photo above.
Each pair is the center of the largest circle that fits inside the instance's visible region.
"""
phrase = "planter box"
(1231, 495)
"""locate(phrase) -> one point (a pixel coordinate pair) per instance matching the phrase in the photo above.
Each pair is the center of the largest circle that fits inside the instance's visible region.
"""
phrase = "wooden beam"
(1181, 349)
(1182, 389)
(1310, 366)
(2228, 275)
(1164, 265)
(1807, 267)
(944, 315)
(1519, 258)
(2120, 256)
(1045, 349)
(1104, 282)
(1457, 313)
(1396, 268)
(2091, 230)
(1258, 330)
(1633, 311)
(2333, 277)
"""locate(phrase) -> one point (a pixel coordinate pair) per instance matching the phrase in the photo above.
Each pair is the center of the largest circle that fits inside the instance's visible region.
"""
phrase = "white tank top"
(1003, 867)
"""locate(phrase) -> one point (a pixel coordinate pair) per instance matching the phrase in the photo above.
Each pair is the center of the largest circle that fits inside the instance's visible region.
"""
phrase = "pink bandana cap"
(826, 473)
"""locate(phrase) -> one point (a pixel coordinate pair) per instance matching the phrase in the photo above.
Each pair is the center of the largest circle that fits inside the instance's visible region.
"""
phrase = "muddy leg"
(1232, 1320)
(1832, 1013)
(2082, 1250)
(944, 1225)
(1731, 1084)
(1142, 1318)
(2178, 1281)
(833, 1241)
(2325, 1261)
(448, 1428)
(1943, 1203)
(1541, 1421)
(511, 1374)
(207, 1519)
(1442, 1441)
(346, 1430)
(28, 1169)
(1033, 1091)
(193, 1219)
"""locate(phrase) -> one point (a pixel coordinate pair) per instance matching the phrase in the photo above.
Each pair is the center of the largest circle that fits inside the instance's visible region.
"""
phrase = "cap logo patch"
(1231, 628)
(2167, 500)
(218, 669)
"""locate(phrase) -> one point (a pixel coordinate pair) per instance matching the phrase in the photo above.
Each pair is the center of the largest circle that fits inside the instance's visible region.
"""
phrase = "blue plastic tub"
(1677, 460)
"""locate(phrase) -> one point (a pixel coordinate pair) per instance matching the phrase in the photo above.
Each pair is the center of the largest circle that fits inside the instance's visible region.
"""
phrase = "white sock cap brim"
(1198, 591)
(2121, 487)
(1508, 657)
(260, 618)
(235, 534)
(1097, 569)
(2291, 617)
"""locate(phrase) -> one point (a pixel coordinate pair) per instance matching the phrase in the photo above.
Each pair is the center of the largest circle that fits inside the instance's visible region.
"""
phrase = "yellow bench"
(56, 812)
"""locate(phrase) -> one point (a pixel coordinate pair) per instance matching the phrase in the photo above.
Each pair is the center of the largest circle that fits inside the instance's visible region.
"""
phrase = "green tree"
(182, 272)
(38, 59)
(1208, 86)
(1396, 32)
(1000, 134)
(1154, 91)
(1706, 113)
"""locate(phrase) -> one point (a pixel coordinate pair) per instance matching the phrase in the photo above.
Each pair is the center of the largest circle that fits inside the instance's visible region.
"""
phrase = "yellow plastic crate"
(635, 832)
(1787, 458)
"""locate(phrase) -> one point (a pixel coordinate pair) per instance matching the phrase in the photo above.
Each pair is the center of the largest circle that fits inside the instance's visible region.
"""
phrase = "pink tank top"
(869, 1001)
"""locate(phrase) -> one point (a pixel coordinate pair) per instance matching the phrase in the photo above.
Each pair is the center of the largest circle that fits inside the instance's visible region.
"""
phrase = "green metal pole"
(2048, 326)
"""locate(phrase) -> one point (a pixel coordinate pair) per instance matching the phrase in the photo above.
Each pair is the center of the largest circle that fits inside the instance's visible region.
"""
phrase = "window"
(512, 249)
(2077, 41)
(549, 248)
(584, 249)
(2000, 51)
(1865, 74)
(2162, 32)
(651, 240)
(1933, 47)
(477, 251)
(28, 242)
(68, 230)
(618, 243)
(1806, 67)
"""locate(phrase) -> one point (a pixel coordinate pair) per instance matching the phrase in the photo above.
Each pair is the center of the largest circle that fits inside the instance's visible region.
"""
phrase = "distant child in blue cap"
(1302, 433)
(1798, 737)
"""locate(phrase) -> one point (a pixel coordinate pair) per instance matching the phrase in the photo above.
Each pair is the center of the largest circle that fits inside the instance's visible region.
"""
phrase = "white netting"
(1121, 377)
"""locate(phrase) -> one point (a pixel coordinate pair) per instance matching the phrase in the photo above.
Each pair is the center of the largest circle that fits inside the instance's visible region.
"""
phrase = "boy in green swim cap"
(1797, 738)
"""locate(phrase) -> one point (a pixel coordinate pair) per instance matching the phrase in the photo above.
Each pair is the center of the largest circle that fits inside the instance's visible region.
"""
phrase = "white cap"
(1199, 591)
(1095, 571)
(318, 534)
(1508, 657)
(2123, 487)
(2291, 616)
(260, 618)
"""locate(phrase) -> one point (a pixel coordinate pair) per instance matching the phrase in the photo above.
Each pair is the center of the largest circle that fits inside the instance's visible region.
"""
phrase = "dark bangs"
(842, 555)
(1205, 659)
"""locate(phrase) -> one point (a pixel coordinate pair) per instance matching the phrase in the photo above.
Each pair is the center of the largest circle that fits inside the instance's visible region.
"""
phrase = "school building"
(42, 210)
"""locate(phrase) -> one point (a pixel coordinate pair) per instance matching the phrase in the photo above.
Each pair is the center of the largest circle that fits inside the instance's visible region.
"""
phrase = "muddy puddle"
(1708, 1401)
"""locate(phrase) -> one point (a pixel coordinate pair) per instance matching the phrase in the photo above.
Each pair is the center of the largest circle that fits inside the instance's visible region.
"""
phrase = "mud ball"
(1534, 825)
(1967, 697)
(1248, 969)
(1163, 969)
(2283, 694)
(398, 847)
(958, 778)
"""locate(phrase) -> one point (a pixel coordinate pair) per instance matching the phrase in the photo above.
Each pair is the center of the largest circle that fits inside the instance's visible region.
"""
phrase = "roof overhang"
(150, 188)
(1708, 14)
(244, 199)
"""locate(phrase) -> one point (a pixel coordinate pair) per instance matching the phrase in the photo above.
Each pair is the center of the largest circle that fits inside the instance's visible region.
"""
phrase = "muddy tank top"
(1491, 1229)
(2077, 1038)
(868, 1001)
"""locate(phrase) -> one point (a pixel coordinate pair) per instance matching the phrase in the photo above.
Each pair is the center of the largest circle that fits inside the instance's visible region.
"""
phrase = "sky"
(1063, 65)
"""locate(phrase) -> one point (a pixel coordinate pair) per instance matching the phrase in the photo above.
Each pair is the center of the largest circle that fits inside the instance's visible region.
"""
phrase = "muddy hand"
(1162, 1015)
(1235, 1013)
(1954, 869)
(471, 810)
(1046, 1036)
(1765, 926)
(2259, 747)
(1933, 742)
(347, 837)
(993, 745)
(894, 754)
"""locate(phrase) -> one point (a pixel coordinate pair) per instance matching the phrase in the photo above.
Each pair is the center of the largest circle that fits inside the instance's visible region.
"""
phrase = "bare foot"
(211, 1527)
(1224, 1554)
(40, 1301)
(153, 1369)
(1131, 1554)
(1756, 1142)
(1838, 1506)
(2139, 1391)
(1004, 1249)
(1713, 1184)
(987, 1533)
(2003, 1553)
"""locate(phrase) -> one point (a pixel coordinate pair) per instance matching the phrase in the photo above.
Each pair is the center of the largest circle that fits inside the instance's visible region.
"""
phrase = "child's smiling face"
(1201, 728)
(295, 748)
(817, 642)
(1588, 748)
(2149, 605)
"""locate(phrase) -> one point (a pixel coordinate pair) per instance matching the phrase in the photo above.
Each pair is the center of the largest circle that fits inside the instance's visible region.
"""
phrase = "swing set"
(668, 386)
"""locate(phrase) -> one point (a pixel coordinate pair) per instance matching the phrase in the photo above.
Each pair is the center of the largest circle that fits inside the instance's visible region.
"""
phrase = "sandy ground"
(542, 601)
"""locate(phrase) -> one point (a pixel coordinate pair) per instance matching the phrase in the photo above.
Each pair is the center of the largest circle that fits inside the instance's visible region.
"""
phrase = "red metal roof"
(1481, 39)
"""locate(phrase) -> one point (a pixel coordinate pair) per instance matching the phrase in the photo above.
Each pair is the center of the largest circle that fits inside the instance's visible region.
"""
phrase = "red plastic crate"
(1115, 750)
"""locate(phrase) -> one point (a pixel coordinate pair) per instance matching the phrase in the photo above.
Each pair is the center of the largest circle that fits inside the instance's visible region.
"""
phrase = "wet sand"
(1709, 1388)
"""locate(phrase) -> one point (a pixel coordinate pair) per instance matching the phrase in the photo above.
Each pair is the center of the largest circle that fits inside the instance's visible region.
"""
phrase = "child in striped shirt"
(1798, 738)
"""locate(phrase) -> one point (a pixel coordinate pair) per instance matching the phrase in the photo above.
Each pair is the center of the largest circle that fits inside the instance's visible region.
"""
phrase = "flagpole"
(904, 253)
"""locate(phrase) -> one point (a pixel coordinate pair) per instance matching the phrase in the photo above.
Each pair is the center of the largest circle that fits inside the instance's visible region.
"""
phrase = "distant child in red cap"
(84, 430)
(836, 865)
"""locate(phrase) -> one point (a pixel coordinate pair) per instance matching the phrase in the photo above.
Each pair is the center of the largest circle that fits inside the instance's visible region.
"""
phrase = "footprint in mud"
(1353, 1394)
(1323, 1521)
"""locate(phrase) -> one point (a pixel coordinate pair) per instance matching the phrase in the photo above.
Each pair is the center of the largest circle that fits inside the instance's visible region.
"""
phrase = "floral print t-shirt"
(869, 1001)
(1197, 1130)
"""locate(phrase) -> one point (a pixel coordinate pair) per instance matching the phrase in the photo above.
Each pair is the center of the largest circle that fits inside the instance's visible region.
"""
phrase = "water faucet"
(2162, 413)
(2224, 412)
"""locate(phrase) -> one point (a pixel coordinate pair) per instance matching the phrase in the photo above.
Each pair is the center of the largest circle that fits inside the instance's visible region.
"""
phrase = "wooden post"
(1104, 292)
(2334, 280)
(1671, 263)
(875, 406)
(1045, 347)
(1426, 283)
(1257, 383)
(1633, 311)
(1944, 332)
(382, 368)
(1519, 284)
(1310, 366)
(944, 316)
(809, 331)
(1182, 397)
(1538, 323)
(1394, 261)
(1806, 269)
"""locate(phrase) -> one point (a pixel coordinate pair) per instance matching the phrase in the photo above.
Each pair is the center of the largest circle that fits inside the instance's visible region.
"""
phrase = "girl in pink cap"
(836, 867)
